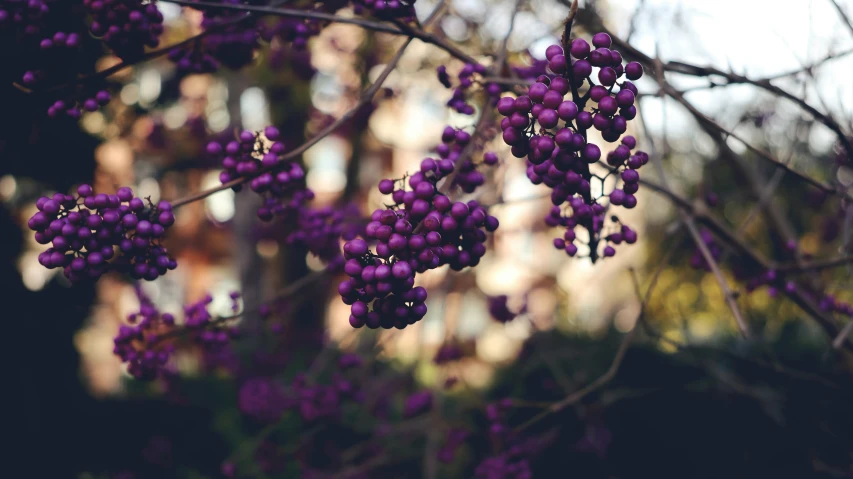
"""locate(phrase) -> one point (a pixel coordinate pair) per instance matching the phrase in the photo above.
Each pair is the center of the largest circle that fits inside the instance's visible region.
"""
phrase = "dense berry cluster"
(126, 26)
(422, 229)
(385, 285)
(136, 344)
(255, 157)
(91, 234)
(471, 74)
(559, 152)
(145, 343)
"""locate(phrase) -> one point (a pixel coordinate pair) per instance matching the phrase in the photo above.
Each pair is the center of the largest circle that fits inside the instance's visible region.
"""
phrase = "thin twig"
(285, 292)
(838, 342)
(366, 98)
(700, 71)
(615, 363)
(721, 230)
(485, 117)
(728, 294)
(103, 74)
(502, 52)
(690, 222)
(400, 29)
(815, 265)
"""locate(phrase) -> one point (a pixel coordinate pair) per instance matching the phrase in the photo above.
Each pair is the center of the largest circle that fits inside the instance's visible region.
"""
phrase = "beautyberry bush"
(351, 286)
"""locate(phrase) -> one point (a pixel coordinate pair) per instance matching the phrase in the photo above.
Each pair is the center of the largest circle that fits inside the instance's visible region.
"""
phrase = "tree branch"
(366, 97)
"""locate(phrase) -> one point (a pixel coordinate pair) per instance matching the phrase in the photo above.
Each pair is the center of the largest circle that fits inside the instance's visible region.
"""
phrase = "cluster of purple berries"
(74, 108)
(559, 153)
(423, 229)
(91, 234)
(466, 79)
(248, 156)
(385, 285)
(126, 26)
(143, 344)
(137, 344)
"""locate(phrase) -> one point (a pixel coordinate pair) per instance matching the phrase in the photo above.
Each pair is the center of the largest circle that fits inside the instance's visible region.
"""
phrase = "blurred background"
(84, 417)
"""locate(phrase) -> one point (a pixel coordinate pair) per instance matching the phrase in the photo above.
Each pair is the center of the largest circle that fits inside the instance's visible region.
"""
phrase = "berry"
(633, 71)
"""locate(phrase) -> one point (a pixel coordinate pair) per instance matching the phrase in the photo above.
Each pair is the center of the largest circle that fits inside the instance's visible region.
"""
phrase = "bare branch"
(401, 29)
(608, 376)
(366, 97)
(843, 15)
